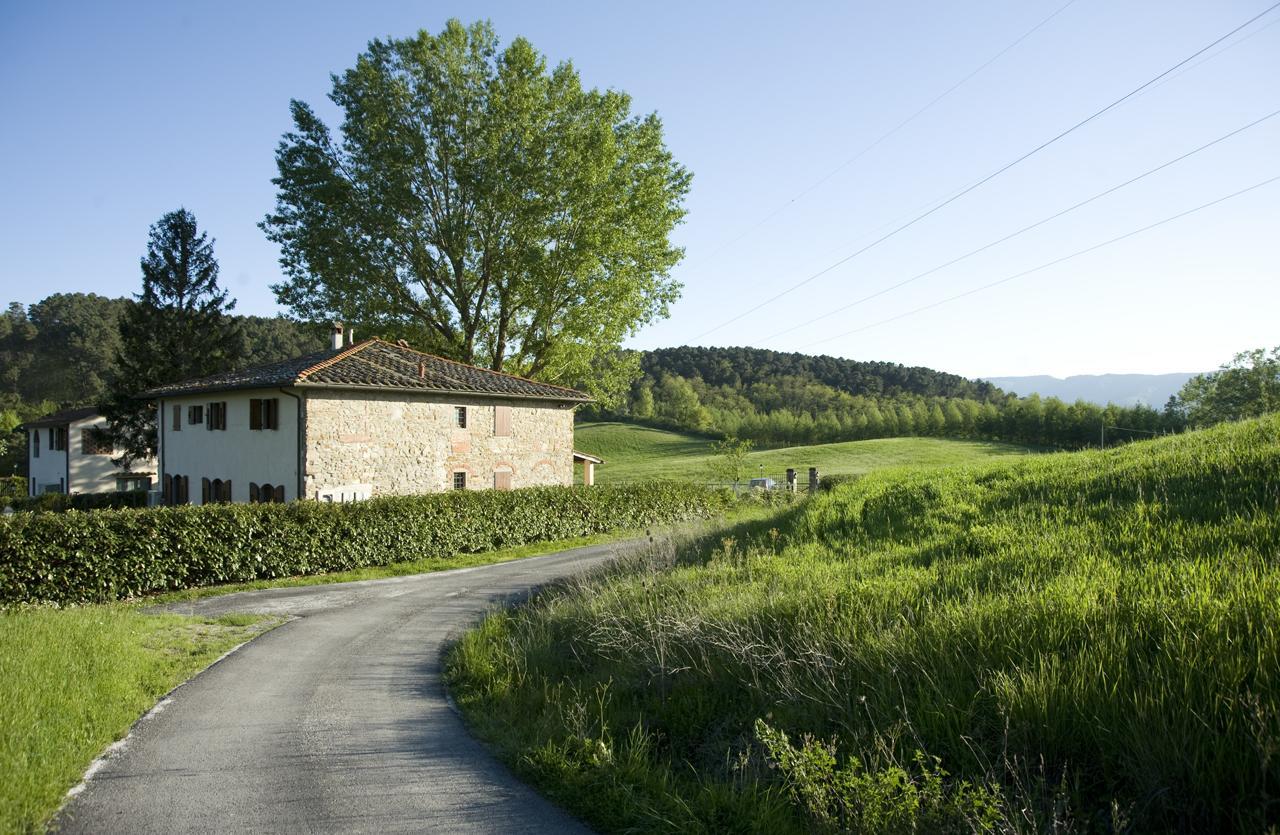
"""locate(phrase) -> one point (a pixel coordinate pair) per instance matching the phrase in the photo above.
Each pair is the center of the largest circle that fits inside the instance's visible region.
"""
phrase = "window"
(177, 418)
(216, 491)
(35, 444)
(266, 493)
(94, 442)
(57, 438)
(460, 416)
(216, 415)
(264, 413)
(195, 415)
(502, 421)
(176, 489)
(502, 480)
(126, 484)
(459, 481)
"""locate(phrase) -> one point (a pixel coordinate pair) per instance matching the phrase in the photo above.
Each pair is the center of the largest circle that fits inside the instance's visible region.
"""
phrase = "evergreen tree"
(179, 328)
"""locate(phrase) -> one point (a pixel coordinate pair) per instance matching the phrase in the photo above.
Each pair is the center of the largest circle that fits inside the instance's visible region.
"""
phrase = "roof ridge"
(478, 368)
(341, 355)
(462, 384)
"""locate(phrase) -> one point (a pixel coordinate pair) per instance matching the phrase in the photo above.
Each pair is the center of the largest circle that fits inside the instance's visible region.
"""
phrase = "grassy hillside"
(635, 453)
(1073, 642)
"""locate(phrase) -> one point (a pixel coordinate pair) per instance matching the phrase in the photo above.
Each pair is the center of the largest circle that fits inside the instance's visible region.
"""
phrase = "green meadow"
(639, 453)
(1070, 642)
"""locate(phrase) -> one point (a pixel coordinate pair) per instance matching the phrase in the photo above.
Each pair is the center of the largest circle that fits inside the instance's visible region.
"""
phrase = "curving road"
(334, 722)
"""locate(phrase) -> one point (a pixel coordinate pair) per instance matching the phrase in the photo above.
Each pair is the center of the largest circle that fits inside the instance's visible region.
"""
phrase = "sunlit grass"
(637, 453)
(74, 680)
(1086, 641)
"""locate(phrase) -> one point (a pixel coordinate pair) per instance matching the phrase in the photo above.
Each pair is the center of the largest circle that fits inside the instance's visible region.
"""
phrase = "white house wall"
(50, 468)
(238, 453)
(96, 473)
(76, 471)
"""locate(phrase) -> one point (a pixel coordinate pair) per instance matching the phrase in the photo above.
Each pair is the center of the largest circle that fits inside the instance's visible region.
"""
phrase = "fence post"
(791, 479)
(813, 479)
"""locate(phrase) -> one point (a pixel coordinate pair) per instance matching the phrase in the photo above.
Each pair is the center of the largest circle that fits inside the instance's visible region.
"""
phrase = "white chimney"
(336, 342)
(351, 336)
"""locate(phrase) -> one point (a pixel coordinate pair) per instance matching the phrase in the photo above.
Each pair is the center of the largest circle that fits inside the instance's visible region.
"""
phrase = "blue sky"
(117, 113)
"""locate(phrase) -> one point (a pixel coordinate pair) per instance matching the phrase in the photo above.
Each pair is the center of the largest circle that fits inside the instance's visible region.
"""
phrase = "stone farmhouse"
(66, 455)
(367, 419)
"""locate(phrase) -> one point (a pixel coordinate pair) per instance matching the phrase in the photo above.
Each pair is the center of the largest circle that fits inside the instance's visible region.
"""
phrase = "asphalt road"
(334, 722)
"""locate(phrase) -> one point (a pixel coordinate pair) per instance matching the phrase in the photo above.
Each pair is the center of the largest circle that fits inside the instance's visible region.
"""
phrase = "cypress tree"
(178, 328)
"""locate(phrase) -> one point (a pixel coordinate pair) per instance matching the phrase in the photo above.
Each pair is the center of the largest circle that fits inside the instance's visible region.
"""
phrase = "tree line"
(776, 399)
(82, 349)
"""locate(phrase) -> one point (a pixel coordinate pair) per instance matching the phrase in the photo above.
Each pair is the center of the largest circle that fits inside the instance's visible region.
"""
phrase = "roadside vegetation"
(72, 681)
(639, 453)
(1074, 642)
(105, 555)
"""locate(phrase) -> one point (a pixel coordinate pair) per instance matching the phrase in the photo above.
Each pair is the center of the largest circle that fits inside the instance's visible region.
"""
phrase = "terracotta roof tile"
(376, 365)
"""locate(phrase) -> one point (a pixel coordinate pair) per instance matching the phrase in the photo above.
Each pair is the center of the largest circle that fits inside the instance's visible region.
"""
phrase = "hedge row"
(60, 502)
(12, 487)
(78, 557)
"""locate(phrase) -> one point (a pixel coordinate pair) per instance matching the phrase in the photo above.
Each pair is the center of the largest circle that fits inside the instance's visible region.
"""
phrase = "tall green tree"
(179, 328)
(482, 204)
(75, 348)
(1248, 386)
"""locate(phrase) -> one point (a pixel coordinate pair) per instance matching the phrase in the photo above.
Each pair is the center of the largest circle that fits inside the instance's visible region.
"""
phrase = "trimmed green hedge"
(12, 487)
(60, 502)
(79, 557)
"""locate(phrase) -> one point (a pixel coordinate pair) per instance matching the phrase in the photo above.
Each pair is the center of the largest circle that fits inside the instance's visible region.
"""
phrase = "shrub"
(62, 502)
(12, 487)
(76, 557)
(830, 482)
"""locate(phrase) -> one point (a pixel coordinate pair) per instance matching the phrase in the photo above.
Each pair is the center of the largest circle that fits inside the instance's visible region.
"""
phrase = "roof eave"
(415, 390)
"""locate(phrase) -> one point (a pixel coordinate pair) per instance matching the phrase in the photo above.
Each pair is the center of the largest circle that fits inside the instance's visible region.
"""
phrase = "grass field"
(72, 681)
(636, 453)
(1073, 642)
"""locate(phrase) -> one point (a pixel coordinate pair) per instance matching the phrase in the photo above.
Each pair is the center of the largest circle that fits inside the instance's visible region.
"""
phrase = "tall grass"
(74, 680)
(1074, 642)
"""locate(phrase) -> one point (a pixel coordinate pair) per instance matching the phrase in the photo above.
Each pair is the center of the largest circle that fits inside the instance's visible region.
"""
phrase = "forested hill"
(777, 399)
(62, 350)
(741, 367)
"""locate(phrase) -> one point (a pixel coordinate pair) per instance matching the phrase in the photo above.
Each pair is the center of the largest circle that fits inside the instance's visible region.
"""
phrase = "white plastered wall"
(238, 453)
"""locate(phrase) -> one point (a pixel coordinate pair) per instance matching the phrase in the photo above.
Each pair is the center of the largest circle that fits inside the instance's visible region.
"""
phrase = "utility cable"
(887, 134)
(992, 175)
(1024, 229)
(1048, 264)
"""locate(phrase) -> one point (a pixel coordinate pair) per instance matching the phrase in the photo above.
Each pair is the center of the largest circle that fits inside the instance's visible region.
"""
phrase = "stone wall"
(392, 443)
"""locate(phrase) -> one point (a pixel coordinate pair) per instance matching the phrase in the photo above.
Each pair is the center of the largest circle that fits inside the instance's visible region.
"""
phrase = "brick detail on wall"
(405, 445)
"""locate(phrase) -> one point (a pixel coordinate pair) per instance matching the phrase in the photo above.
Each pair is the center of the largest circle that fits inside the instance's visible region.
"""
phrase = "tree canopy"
(1246, 387)
(487, 207)
(179, 328)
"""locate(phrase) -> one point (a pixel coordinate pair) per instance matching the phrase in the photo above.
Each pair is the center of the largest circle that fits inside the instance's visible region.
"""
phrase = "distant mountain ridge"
(1123, 389)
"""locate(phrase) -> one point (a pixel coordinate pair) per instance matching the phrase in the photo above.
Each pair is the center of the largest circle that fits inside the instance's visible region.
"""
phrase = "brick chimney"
(336, 340)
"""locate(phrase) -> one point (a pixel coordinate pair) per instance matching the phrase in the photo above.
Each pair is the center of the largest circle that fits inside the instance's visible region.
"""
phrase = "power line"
(1048, 264)
(1188, 68)
(1024, 229)
(887, 134)
(990, 176)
